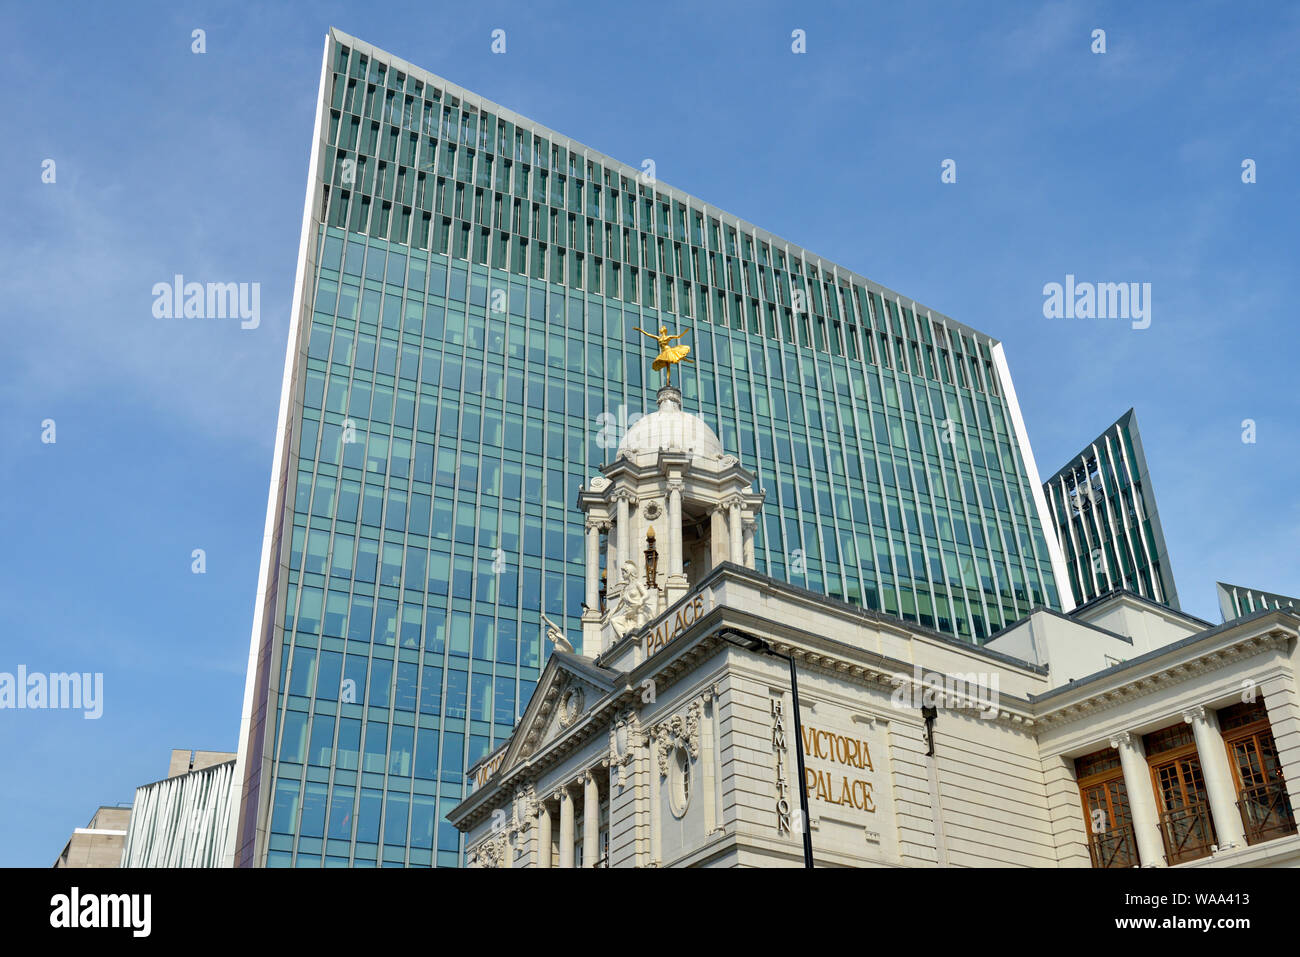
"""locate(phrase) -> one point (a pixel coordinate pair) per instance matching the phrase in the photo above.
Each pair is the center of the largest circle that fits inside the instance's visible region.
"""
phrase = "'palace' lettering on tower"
(670, 628)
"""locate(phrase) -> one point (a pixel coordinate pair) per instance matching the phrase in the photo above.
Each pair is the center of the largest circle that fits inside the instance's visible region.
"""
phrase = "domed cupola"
(670, 508)
(670, 429)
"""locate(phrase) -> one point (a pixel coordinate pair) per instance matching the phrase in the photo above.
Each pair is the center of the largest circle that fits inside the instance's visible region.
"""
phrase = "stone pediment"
(570, 685)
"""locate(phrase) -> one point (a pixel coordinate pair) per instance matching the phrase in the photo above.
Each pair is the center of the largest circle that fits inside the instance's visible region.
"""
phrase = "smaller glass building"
(1237, 601)
(1104, 508)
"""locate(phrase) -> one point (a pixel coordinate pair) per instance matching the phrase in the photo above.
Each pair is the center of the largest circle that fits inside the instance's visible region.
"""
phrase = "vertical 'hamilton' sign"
(778, 745)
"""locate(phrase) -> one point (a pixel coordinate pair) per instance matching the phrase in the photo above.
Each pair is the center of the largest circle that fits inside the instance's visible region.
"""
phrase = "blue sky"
(1122, 166)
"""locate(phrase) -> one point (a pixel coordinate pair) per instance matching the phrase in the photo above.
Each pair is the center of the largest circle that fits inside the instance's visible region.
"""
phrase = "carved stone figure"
(633, 608)
(556, 634)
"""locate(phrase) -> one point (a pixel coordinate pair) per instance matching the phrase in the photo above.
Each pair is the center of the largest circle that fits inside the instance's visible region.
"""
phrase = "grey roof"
(1057, 614)
(1166, 609)
(858, 611)
(1150, 656)
(606, 678)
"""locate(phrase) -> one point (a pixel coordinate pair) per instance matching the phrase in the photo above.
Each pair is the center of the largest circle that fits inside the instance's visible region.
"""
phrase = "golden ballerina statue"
(669, 354)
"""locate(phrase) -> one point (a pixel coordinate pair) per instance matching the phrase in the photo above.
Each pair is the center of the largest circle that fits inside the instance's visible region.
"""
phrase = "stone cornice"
(887, 676)
(680, 466)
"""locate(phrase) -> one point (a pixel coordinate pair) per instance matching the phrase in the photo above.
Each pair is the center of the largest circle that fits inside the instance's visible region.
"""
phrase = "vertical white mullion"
(1140, 517)
(1083, 556)
(1086, 530)
(1056, 559)
(1108, 462)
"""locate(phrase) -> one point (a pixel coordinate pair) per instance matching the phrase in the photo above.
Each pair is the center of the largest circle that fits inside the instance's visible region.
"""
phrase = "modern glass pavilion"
(1237, 601)
(1104, 507)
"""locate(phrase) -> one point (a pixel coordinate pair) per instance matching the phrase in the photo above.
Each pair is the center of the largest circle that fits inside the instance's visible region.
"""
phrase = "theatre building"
(1124, 733)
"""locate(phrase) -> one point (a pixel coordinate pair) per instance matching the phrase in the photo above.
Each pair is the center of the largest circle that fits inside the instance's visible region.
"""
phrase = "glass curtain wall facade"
(1104, 508)
(465, 359)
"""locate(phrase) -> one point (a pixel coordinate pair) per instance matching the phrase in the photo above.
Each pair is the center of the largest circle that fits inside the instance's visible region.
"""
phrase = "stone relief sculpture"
(556, 634)
(633, 609)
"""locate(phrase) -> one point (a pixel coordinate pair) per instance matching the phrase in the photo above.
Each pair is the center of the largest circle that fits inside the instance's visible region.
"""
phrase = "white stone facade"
(1000, 788)
(1121, 734)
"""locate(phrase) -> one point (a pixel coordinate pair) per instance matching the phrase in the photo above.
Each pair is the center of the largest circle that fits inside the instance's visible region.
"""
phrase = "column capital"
(623, 495)
(1220, 787)
(676, 484)
(1142, 801)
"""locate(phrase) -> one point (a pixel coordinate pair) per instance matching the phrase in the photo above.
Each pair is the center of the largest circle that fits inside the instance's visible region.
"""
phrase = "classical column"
(624, 530)
(675, 527)
(708, 788)
(611, 557)
(1218, 777)
(675, 584)
(733, 531)
(656, 822)
(544, 836)
(566, 827)
(748, 547)
(1141, 799)
(717, 536)
(593, 565)
(590, 820)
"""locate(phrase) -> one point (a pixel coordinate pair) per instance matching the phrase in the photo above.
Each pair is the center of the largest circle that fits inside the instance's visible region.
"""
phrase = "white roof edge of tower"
(1065, 595)
(268, 563)
(689, 200)
(1128, 418)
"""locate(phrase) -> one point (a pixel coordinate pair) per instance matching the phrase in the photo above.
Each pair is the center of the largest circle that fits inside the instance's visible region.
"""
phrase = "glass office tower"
(463, 357)
(1104, 510)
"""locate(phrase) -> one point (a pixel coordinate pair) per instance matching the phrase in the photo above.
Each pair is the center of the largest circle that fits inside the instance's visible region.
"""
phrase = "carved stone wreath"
(632, 723)
(653, 511)
(490, 853)
(679, 731)
(571, 706)
(524, 810)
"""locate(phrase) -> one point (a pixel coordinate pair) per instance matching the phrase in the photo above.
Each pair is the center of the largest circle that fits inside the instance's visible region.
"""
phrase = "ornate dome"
(671, 429)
